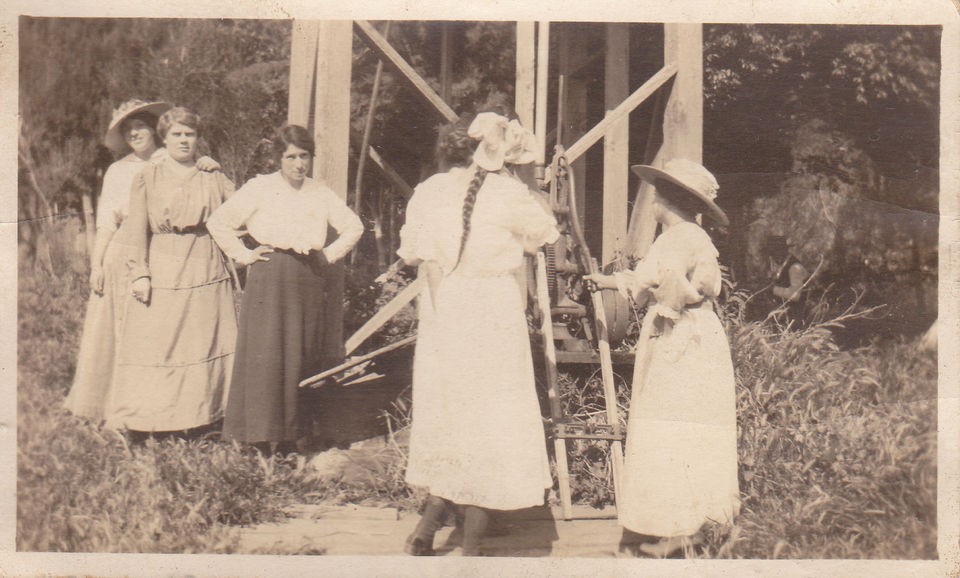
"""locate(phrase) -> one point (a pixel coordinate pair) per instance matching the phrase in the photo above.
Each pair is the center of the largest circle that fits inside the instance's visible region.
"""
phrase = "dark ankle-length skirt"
(280, 342)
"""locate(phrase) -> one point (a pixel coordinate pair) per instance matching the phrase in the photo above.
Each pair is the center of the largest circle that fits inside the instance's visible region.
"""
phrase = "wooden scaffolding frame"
(320, 72)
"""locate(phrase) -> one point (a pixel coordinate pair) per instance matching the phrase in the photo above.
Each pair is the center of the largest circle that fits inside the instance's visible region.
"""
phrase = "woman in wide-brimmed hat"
(477, 436)
(132, 133)
(283, 321)
(681, 453)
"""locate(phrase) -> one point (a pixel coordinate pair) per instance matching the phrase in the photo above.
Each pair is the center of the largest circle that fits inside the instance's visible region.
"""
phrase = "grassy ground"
(837, 451)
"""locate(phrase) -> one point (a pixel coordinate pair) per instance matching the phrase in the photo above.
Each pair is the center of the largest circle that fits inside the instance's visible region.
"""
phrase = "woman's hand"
(141, 290)
(207, 164)
(596, 281)
(96, 279)
(258, 254)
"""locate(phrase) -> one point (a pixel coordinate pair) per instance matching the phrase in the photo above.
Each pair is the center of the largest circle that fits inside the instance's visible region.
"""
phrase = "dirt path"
(355, 530)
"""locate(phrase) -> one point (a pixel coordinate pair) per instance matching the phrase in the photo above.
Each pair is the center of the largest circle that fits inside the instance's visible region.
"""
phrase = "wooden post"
(446, 80)
(682, 123)
(543, 69)
(683, 119)
(616, 143)
(331, 132)
(573, 51)
(303, 64)
(525, 92)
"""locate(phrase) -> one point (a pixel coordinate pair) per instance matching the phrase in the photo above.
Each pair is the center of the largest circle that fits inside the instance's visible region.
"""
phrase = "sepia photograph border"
(918, 12)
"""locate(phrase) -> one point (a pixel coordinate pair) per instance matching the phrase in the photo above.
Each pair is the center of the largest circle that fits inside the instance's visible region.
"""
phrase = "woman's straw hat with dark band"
(691, 177)
(114, 139)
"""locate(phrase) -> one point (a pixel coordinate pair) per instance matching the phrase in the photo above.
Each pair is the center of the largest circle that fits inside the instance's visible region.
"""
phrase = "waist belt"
(189, 230)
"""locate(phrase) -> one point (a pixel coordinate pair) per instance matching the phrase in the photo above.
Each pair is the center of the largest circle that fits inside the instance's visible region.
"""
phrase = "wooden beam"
(526, 76)
(574, 50)
(392, 58)
(543, 69)
(380, 318)
(403, 188)
(682, 125)
(683, 119)
(446, 79)
(303, 64)
(616, 143)
(623, 110)
(332, 136)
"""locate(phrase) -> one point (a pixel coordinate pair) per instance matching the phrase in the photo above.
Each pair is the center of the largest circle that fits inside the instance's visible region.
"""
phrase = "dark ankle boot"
(475, 521)
(420, 542)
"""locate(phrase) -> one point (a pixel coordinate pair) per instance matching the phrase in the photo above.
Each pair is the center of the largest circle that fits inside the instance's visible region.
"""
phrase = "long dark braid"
(468, 203)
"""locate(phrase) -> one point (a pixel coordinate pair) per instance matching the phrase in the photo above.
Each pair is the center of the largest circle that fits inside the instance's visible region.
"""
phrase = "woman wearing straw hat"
(132, 130)
(477, 437)
(175, 354)
(681, 454)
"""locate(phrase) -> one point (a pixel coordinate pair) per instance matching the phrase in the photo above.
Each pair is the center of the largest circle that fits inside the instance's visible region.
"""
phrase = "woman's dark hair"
(468, 203)
(177, 115)
(454, 146)
(148, 118)
(292, 134)
(680, 198)
(455, 149)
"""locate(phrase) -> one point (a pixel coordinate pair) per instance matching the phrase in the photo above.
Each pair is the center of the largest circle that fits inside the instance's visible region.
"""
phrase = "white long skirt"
(680, 469)
(477, 436)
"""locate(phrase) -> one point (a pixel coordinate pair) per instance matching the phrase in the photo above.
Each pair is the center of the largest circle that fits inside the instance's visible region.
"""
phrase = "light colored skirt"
(477, 436)
(680, 469)
(98, 343)
(176, 353)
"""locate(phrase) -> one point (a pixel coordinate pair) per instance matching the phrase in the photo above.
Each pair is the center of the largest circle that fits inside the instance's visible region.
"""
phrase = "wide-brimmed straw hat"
(113, 139)
(690, 176)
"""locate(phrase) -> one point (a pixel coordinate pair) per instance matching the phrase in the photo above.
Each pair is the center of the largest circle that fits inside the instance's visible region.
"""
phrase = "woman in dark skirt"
(282, 321)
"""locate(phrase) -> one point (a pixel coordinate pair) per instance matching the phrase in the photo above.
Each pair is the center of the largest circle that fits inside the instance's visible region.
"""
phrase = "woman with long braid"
(477, 438)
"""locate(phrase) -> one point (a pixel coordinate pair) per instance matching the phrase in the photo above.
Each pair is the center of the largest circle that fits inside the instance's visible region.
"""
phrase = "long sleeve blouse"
(276, 214)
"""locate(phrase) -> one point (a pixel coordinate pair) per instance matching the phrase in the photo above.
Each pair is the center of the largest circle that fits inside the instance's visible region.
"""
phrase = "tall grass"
(837, 448)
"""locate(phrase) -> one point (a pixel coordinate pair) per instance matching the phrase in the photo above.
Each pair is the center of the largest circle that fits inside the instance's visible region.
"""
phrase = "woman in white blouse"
(282, 315)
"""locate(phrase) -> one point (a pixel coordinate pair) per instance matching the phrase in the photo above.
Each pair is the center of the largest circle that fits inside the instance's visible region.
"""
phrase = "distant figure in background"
(176, 351)
(132, 130)
(790, 274)
(282, 315)
(477, 438)
(680, 468)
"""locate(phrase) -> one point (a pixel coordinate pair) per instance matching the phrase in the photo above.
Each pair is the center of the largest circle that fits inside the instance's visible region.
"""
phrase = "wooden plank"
(609, 386)
(526, 76)
(398, 182)
(310, 381)
(591, 357)
(392, 58)
(616, 143)
(543, 69)
(303, 59)
(624, 109)
(553, 393)
(400, 300)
